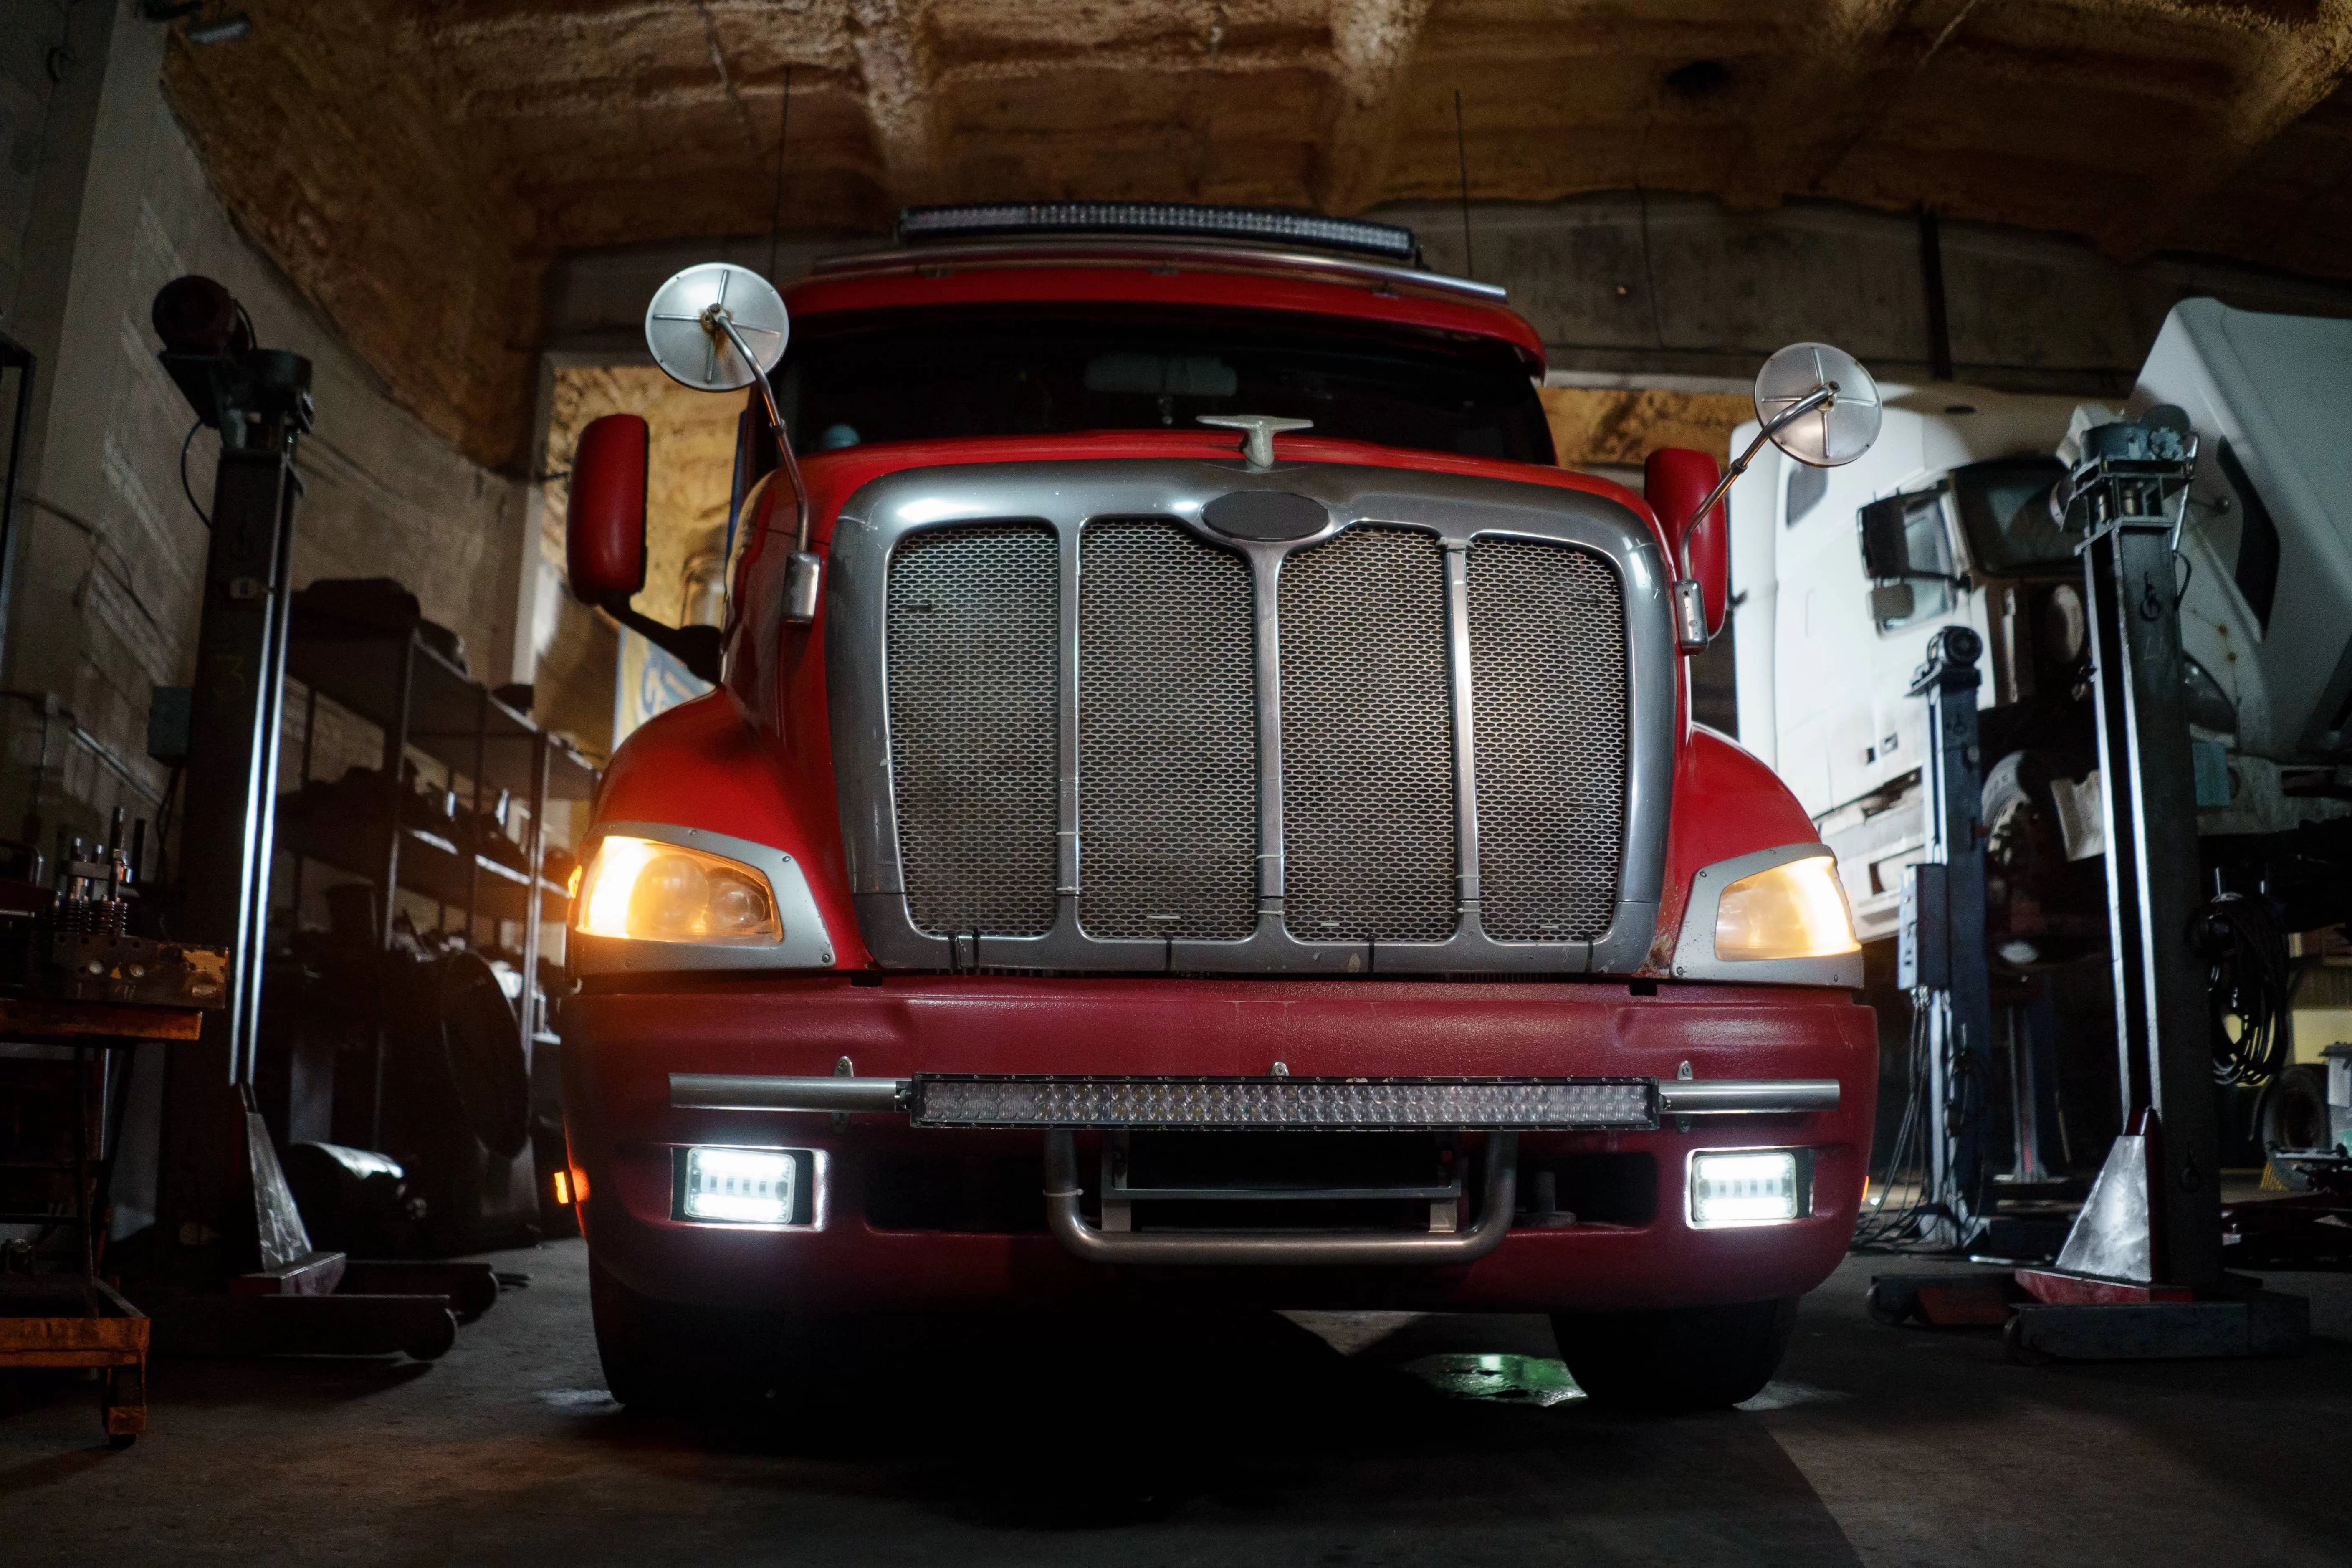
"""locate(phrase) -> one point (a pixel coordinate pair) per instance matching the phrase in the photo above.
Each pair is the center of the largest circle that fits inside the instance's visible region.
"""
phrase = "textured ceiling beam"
(1372, 47)
(896, 63)
(1817, 105)
(2298, 66)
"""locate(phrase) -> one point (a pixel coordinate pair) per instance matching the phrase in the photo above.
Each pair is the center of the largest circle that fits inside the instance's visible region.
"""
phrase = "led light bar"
(1178, 219)
(1558, 1104)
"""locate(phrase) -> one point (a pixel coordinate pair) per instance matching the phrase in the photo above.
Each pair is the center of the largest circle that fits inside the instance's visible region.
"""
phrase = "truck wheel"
(1683, 1358)
(668, 1356)
(639, 1343)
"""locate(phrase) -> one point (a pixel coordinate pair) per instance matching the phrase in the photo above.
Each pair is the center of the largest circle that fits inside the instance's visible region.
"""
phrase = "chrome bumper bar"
(1525, 1104)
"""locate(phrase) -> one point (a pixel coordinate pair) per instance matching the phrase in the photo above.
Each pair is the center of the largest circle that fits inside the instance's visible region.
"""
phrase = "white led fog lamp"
(771, 1187)
(1749, 1187)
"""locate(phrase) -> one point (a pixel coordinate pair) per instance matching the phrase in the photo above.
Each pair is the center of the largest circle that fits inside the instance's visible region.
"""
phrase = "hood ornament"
(1258, 433)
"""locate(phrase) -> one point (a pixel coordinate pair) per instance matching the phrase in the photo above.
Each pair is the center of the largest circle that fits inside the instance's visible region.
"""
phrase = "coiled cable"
(2248, 989)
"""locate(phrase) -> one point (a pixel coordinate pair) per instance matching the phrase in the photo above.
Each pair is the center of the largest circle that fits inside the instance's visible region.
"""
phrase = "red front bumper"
(619, 1049)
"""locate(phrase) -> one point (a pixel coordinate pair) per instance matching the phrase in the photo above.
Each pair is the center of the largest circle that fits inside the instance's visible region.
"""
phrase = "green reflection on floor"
(1507, 1379)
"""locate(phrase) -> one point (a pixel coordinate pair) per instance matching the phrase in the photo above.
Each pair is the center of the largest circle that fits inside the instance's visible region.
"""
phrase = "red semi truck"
(1197, 805)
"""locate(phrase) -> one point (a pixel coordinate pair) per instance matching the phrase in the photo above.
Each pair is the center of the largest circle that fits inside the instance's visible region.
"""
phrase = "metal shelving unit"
(395, 679)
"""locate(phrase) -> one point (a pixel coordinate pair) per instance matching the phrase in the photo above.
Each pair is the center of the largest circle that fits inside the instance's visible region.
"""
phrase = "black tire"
(1683, 1358)
(671, 1357)
(632, 1341)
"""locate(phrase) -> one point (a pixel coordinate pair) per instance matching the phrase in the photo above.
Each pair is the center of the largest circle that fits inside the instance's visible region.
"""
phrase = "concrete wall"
(109, 552)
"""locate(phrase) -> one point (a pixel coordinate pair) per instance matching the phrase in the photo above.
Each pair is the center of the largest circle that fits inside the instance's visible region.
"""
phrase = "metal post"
(474, 847)
(272, 725)
(2150, 804)
(21, 358)
(395, 752)
(240, 653)
(542, 757)
(1961, 1042)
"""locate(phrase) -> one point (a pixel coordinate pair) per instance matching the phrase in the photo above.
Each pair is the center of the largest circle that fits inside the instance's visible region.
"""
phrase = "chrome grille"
(970, 622)
(1368, 798)
(1167, 736)
(1548, 706)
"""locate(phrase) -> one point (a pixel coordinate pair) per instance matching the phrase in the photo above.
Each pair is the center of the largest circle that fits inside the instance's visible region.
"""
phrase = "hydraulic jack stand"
(2140, 1275)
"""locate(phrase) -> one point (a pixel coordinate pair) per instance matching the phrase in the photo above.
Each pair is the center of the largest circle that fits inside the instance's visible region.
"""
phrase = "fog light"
(741, 1186)
(1746, 1188)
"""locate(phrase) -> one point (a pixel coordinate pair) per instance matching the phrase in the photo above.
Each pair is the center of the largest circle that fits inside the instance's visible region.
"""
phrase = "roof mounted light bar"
(1273, 225)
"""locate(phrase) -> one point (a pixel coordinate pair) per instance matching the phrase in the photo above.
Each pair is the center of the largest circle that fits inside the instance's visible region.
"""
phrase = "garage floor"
(1325, 1438)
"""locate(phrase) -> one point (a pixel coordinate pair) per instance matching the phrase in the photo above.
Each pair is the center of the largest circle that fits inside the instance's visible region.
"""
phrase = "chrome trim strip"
(806, 944)
(1695, 956)
(1065, 496)
(1047, 251)
(1720, 1096)
(1280, 1248)
(736, 1092)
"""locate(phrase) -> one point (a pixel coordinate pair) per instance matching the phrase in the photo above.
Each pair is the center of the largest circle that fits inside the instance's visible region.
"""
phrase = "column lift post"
(2120, 496)
(2140, 1275)
(1941, 948)
(225, 1217)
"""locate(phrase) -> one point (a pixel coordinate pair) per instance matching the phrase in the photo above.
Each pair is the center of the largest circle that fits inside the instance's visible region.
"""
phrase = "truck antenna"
(1461, 157)
(776, 211)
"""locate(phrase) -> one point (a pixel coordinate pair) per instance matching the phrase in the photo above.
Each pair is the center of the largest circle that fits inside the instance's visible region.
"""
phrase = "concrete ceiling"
(414, 165)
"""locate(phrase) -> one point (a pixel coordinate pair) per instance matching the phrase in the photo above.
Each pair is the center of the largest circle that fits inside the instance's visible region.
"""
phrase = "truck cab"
(1197, 806)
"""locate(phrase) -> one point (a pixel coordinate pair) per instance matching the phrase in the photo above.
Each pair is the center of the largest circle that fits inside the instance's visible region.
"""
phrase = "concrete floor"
(1349, 1440)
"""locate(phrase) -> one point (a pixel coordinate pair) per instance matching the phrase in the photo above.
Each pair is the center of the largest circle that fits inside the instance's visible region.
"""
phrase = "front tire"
(1676, 1359)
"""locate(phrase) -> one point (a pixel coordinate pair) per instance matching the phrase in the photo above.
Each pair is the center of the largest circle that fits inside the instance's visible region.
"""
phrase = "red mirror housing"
(1675, 479)
(604, 524)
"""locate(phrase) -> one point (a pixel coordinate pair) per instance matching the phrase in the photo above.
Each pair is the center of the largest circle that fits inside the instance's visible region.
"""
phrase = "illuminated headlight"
(1795, 910)
(746, 1186)
(1749, 1187)
(663, 892)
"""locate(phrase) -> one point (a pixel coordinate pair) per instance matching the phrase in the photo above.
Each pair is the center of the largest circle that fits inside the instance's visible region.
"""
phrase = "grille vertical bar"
(1548, 706)
(1367, 796)
(970, 625)
(1167, 736)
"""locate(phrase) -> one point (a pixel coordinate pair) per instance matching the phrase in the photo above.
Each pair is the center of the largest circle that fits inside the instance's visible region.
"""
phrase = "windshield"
(1027, 370)
(2005, 506)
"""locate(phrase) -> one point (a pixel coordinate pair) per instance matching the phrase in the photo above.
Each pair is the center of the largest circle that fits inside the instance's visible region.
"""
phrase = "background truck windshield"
(915, 375)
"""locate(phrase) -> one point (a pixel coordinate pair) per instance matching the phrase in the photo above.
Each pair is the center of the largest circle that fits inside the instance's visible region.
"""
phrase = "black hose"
(2248, 983)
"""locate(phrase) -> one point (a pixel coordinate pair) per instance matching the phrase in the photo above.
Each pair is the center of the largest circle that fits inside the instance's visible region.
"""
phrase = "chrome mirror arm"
(1822, 396)
(801, 575)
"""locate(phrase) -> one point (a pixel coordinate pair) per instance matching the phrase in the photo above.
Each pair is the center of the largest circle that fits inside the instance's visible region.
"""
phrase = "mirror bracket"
(696, 647)
(1690, 613)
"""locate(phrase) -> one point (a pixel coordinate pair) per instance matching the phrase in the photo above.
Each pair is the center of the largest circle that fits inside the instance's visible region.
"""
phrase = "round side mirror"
(686, 327)
(1838, 431)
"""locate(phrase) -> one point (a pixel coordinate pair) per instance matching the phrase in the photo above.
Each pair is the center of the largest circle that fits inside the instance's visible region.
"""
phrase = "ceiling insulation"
(414, 165)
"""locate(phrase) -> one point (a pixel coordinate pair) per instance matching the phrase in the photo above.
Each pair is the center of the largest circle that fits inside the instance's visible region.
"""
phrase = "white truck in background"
(1842, 575)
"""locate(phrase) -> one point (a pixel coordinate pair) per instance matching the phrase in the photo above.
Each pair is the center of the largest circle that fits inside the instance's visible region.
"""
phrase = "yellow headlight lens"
(1796, 911)
(662, 892)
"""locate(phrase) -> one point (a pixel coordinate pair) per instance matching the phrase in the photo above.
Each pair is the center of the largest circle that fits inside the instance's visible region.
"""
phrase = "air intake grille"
(1368, 800)
(1167, 736)
(969, 631)
(1548, 673)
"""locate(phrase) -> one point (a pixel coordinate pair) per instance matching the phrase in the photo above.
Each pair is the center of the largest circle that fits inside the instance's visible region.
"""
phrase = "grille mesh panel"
(970, 622)
(1368, 800)
(1548, 677)
(1167, 736)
